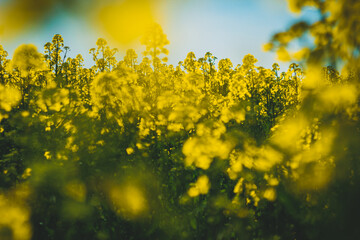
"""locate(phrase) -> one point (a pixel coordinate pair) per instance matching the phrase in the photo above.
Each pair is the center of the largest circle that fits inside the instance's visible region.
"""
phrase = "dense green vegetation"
(202, 150)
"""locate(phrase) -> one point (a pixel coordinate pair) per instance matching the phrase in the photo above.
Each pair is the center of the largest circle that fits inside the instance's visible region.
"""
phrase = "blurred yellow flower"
(9, 97)
(270, 194)
(14, 220)
(128, 200)
(201, 186)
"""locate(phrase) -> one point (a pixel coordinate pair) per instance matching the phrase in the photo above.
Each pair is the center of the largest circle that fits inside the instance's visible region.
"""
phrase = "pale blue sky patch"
(226, 28)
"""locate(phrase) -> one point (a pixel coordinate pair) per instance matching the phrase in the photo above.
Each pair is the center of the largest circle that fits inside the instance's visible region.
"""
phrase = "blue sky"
(226, 28)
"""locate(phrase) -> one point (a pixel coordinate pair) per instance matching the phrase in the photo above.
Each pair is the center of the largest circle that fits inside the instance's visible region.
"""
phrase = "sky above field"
(226, 28)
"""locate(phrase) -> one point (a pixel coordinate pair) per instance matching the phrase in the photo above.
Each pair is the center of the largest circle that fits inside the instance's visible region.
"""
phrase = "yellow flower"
(26, 58)
(270, 194)
(129, 150)
(9, 97)
(14, 220)
(47, 155)
(201, 186)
